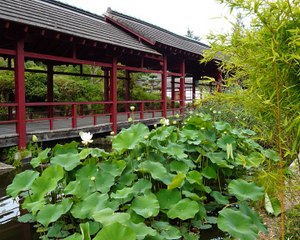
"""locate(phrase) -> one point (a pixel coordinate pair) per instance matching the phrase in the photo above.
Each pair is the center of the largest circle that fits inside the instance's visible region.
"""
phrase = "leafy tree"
(266, 57)
(190, 34)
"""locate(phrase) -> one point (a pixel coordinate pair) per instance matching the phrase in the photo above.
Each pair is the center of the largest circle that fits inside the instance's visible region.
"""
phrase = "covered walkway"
(57, 34)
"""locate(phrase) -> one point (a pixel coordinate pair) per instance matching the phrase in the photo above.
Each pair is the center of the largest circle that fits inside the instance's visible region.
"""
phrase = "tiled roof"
(60, 17)
(156, 34)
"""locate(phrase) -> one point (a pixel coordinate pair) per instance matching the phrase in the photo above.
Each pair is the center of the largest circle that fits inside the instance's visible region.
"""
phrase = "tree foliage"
(265, 56)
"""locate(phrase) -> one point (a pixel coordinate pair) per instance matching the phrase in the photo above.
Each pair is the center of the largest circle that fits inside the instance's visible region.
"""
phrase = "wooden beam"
(182, 86)
(113, 94)
(20, 94)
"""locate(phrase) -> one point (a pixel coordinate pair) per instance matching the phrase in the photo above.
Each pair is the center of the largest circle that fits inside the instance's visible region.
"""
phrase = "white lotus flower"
(34, 138)
(164, 122)
(86, 137)
(132, 108)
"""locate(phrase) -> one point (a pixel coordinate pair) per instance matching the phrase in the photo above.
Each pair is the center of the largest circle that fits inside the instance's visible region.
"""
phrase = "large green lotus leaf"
(171, 149)
(156, 169)
(184, 209)
(179, 167)
(177, 181)
(124, 194)
(142, 186)
(192, 196)
(104, 181)
(52, 212)
(168, 198)
(244, 190)
(254, 160)
(88, 206)
(194, 177)
(85, 231)
(42, 186)
(254, 217)
(129, 138)
(87, 172)
(55, 172)
(75, 236)
(42, 156)
(224, 140)
(162, 133)
(116, 231)
(21, 182)
(219, 159)
(33, 205)
(141, 230)
(56, 231)
(94, 152)
(237, 224)
(80, 188)
(209, 173)
(146, 206)
(166, 230)
(71, 147)
(107, 216)
(221, 199)
(68, 160)
(272, 205)
(191, 134)
(221, 126)
(115, 168)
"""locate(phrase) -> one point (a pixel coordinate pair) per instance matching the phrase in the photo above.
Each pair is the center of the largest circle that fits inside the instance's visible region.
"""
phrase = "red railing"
(59, 115)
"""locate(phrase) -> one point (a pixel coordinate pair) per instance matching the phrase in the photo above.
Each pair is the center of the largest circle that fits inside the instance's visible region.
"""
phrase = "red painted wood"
(142, 109)
(7, 51)
(20, 94)
(164, 87)
(50, 89)
(106, 89)
(127, 90)
(182, 85)
(74, 116)
(173, 96)
(136, 69)
(64, 59)
(113, 94)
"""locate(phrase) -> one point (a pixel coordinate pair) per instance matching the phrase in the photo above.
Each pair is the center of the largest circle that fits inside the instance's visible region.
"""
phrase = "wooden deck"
(62, 128)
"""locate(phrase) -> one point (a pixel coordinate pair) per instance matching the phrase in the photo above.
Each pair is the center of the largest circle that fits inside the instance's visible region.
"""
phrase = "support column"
(173, 93)
(164, 87)
(193, 89)
(219, 80)
(50, 97)
(127, 90)
(20, 94)
(182, 86)
(113, 94)
(106, 89)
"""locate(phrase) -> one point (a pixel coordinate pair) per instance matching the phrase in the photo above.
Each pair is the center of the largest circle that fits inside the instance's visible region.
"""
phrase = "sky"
(200, 16)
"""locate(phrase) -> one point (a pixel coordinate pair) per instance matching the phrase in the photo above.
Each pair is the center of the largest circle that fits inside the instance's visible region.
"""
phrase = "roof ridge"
(74, 9)
(109, 10)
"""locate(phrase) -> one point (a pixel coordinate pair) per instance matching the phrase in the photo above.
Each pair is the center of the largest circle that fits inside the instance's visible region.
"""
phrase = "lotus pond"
(175, 181)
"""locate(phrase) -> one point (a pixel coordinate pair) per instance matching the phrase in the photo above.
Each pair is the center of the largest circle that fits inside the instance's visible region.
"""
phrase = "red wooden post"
(194, 89)
(74, 116)
(127, 90)
(20, 94)
(113, 94)
(182, 86)
(50, 92)
(164, 86)
(142, 109)
(219, 80)
(106, 89)
(173, 96)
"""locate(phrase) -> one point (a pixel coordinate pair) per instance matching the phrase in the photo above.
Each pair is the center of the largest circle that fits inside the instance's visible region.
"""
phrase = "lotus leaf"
(237, 224)
(221, 199)
(244, 190)
(219, 159)
(192, 196)
(52, 212)
(271, 154)
(156, 169)
(177, 181)
(85, 231)
(75, 236)
(209, 173)
(179, 167)
(194, 177)
(221, 126)
(107, 216)
(226, 139)
(115, 231)
(42, 156)
(141, 230)
(129, 138)
(146, 206)
(22, 182)
(71, 147)
(89, 205)
(167, 198)
(166, 230)
(68, 160)
(184, 209)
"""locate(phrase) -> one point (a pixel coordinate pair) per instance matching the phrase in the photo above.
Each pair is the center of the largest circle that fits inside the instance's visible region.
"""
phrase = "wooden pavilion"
(56, 34)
